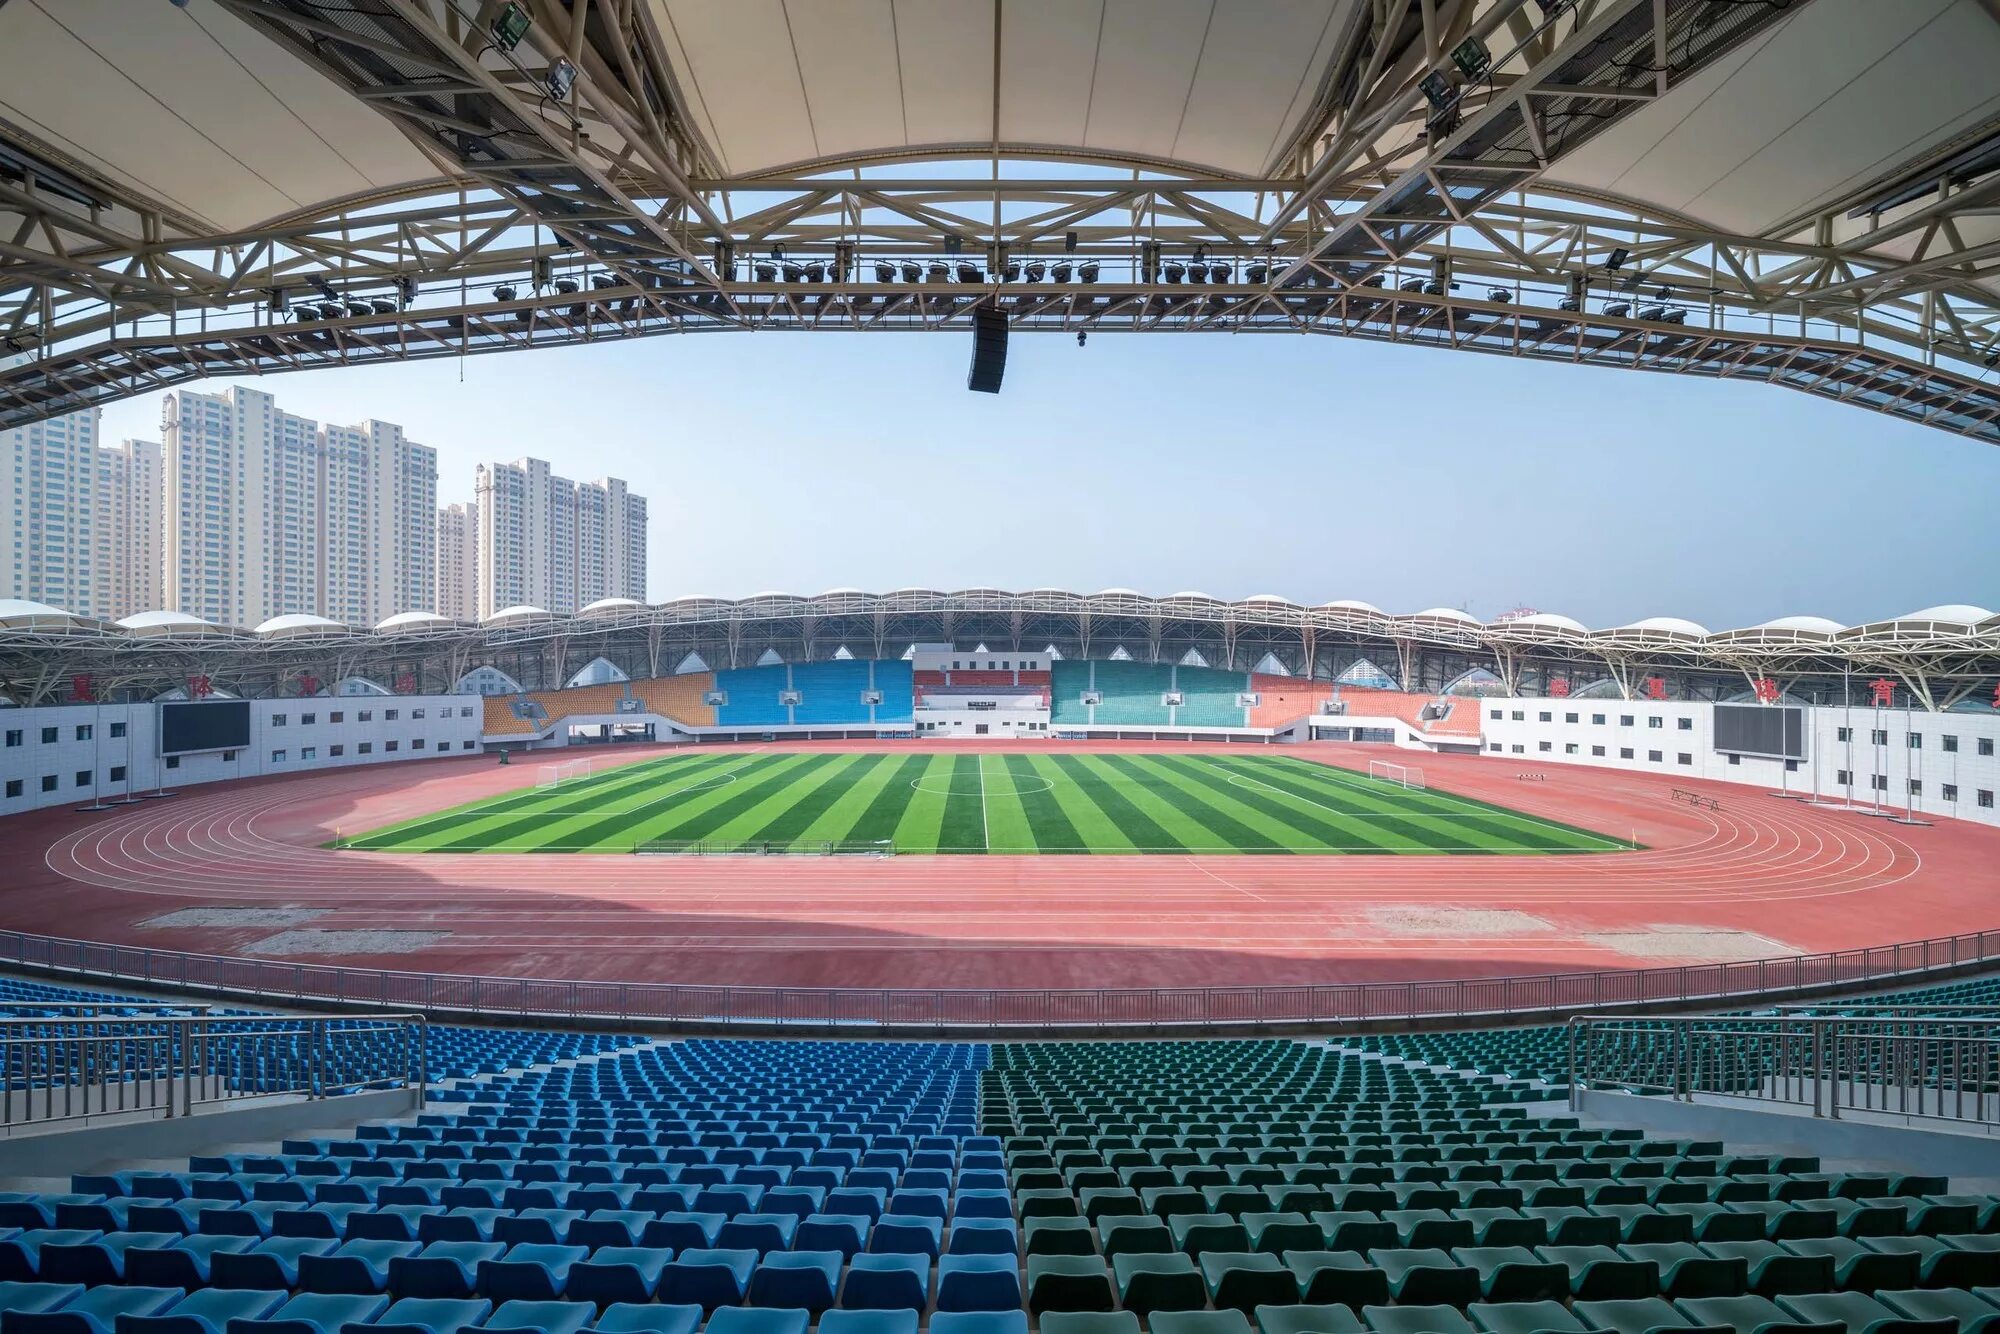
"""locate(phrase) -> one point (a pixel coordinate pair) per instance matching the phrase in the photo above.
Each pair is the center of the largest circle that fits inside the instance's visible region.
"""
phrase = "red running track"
(1762, 876)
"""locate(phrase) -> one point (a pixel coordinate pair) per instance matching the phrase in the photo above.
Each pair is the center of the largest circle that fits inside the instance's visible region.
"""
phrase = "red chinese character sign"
(200, 687)
(1765, 689)
(308, 684)
(1559, 688)
(406, 684)
(1654, 687)
(82, 690)
(1882, 692)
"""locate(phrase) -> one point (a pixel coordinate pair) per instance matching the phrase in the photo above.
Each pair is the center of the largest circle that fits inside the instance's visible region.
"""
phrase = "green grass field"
(919, 803)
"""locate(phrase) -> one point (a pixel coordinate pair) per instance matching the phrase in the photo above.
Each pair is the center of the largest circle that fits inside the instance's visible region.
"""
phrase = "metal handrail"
(56, 1070)
(1928, 1067)
(1551, 997)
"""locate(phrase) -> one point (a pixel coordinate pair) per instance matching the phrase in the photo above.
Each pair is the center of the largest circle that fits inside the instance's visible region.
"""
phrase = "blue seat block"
(868, 1322)
(762, 1233)
(846, 1233)
(751, 1320)
(317, 1220)
(608, 1227)
(684, 1230)
(206, 1312)
(902, 1234)
(427, 1315)
(91, 1214)
(353, 1266)
(978, 1283)
(545, 1227)
(545, 1317)
(313, 1313)
(95, 1312)
(630, 1318)
(533, 1272)
(395, 1223)
(980, 1322)
(271, 1263)
(983, 1204)
(984, 1236)
(100, 1260)
(921, 1203)
(887, 1282)
(707, 1277)
(27, 1297)
(442, 1269)
(461, 1224)
(617, 1274)
(31, 1209)
(21, 1254)
(186, 1263)
(852, 1200)
(789, 1279)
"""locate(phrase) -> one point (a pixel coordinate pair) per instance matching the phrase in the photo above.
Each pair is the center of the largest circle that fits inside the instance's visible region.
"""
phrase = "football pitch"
(901, 802)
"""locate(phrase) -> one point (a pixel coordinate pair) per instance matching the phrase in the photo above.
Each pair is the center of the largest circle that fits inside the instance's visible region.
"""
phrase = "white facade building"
(50, 514)
(268, 513)
(130, 560)
(548, 542)
(458, 561)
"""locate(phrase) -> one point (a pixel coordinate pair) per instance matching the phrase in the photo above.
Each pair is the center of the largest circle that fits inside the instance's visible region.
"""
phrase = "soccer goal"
(555, 775)
(1403, 775)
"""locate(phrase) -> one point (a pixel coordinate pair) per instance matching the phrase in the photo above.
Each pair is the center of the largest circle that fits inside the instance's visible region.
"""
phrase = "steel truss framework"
(601, 217)
(1424, 653)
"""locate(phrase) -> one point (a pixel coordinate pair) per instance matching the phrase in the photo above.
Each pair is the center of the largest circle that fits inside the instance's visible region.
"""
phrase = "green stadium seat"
(1753, 1315)
(1415, 1320)
(1859, 1313)
(1069, 1283)
(1641, 1315)
(1973, 1313)
(1514, 1274)
(1531, 1317)
(1598, 1273)
(1857, 1268)
(1199, 1322)
(1148, 1283)
(1307, 1320)
(1245, 1280)
(1427, 1277)
(1772, 1269)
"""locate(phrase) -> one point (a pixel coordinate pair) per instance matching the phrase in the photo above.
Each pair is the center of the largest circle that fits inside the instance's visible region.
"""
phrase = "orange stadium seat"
(499, 718)
(679, 697)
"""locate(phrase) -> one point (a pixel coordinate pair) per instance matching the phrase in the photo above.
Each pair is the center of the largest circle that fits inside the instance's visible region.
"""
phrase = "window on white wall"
(1843, 734)
(1948, 792)
(1685, 724)
(117, 730)
(1624, 752)
(1597, 752)
(14, 785)
(277, 757)
(1949, 742)
(1655, 757)
(1985, 746)
(1880, 782)
(1985, 798)
(277, 720)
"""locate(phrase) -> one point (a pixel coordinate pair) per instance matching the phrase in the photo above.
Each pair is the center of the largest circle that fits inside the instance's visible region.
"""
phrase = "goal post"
(1402, 775)
(555, 775)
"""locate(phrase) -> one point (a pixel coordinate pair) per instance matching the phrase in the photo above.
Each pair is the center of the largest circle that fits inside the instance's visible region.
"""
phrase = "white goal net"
(555, 775)
(1403, 775)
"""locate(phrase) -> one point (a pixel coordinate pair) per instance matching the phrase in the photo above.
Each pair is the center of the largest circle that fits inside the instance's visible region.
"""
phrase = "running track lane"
(1761, 876)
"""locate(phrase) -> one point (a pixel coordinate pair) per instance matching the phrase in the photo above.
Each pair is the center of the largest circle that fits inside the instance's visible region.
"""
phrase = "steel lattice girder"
(90, 315)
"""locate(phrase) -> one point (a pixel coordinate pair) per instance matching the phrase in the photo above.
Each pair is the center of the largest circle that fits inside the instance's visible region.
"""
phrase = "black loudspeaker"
(989, 350)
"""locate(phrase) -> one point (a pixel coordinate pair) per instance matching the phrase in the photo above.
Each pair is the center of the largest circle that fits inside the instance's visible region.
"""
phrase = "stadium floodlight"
(968, 272)
(1257, 272)
(503, 292)
(1013, 273)
(1652, 312)
(912, 272)
(794, 273)
(600, 281)
(305, 314)
(1412, 285)
(1218, 273)
(1433, 288)
(382, 305)
(1036, 270)
(1088, 271)
(560, 78)
(566, 286)
(358, 308)
(1171, 273)
(766, 271)
(1677, 316)
(885, 272)
(1616, 260)
(510, 25)
(1374, 280)
(938, 272)
(1570, 304)
(1472, 58)
(1197, 273)
(1060, 272)
(1500, 295)
(1618, 310)
(815, 272)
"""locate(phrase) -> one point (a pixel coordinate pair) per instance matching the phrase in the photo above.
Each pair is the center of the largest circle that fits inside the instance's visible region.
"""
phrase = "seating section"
(1283, 700)
(498, 718)
(1209, 698)
(831, 692)
(893, 678)
(753, 697)
(681, 698)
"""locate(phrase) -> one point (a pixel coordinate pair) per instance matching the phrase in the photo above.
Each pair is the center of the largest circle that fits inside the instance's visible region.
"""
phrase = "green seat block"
(1946, 1262)
(1639, 1315)
(1688, 1271)
(1712, 1222)
(1089, 1322)
(1148, 1283)
(1424, 1228)
(1124, 1235)
(1234, 1199)
(1276, 1233)
(1069, 1283)
(1857, 1268)
(1598, 1273)
(1199, 1322)
(1345, 1278)
(1974, 1314)
(1415, 1320)
(1347, 1230)
(1643, 1223)
(1059, 1236)
(1298, 1199)
(1197, 1234)
(1514, 1274)
(1246, 1280)
(1543, 1317)
(1934, 1215)
(1855, 1219)
(1426, 1276)
(1772, 1270)
(1505, 1227)
(1307, 1320)
(1753, 1315)
(1572, 1225)
(1787, 1221)
(1859, 1313)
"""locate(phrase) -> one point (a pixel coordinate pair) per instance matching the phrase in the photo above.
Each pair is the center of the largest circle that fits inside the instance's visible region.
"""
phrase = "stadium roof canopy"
(1798, 192)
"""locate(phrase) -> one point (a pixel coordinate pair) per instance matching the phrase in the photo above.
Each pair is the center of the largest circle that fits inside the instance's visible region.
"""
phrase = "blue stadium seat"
(630, 1318)
(209, 1311)
(428, 1315)
(95, 1312)
(442, 1269)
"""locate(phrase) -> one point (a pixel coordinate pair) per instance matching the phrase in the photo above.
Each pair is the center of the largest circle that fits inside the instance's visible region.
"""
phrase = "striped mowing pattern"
(927, 803)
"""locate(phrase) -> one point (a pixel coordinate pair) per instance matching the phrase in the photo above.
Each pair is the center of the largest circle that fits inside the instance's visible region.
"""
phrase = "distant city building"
(545, 541)
(458, 561)
(130, 555)
(269, 513)
(49, 508)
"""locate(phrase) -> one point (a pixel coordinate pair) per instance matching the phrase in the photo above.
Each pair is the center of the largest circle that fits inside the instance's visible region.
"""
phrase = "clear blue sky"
(1311, 467)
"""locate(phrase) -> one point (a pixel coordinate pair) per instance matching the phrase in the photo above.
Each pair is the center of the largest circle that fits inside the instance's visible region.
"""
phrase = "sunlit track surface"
(1762, 875)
